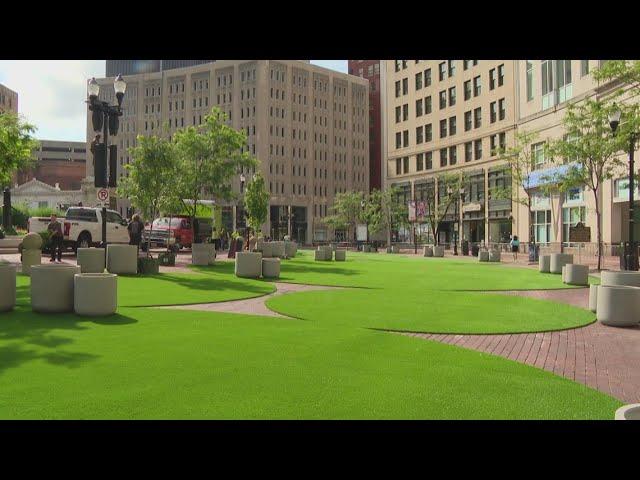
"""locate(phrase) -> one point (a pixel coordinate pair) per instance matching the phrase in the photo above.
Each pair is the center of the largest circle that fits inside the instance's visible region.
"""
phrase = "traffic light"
(100, 165)
(113, 165)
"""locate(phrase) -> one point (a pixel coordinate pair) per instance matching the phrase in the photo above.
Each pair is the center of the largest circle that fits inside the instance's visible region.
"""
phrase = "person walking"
(135, 229)
(515, 247)
(55, 229)
(215, 237)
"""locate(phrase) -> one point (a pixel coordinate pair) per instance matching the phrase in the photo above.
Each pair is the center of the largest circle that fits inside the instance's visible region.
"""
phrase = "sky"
(51, 93)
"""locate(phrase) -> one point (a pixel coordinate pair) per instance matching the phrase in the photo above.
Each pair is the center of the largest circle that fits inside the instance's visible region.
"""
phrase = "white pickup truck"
(82, 227)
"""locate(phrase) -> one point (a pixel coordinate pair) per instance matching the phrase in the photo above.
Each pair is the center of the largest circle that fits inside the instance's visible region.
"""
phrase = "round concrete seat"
(203, 253)
(267, 249)
(271, 267)
(29, 259)
(428, 251)
(341, 255)
(544, 263)
(628, 412)
(576, 274)
(324, 253)
(95, 294)
(32, 241)
(290, 249)
(52, 287)
(494, 255)
(91, 260)
(122, 259)
(7, 287)
(248, 264)
(483, 256)
(593, 297)
(558, 260)
(623, 279)
(618, 306)
(438, 251)
(277, 249)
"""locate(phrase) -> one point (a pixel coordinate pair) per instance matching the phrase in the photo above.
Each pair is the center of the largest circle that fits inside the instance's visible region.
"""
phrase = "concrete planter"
(203, 253)
(628, 412)
(271, 267)
(290, 249)
(618, 306)
(29, 259)
(122, 259)
(52, 287)
(438, 251)
(32, 241)
(428, 251)
(278, 249)
(95, 294)
(576, 274)
(544, 263)
(167, 259)
(483, 256)
(323, 253)
(7, 287)
(593, 297)
(494, 256)
(267, 249)
(624, 279)
(91, 260)
(248, 264)
(148, 266)
(558, 260)
(341, 255)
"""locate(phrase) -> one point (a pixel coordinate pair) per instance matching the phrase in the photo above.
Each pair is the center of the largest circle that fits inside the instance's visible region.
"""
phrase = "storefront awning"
(547, 176)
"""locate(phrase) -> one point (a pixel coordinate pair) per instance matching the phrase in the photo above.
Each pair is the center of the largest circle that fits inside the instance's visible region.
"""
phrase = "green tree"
(16, 146)
(256, 202)
(519, 158)
(383, 211)
(449, 187)
(346, 211)
(150, 180)
(590, 150)
(209, 156)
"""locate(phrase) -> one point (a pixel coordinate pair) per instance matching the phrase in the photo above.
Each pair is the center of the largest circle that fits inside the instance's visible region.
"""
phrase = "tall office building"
(450, 116)
(306, 125)
(374, 71)
(135, 67)
(8, 100)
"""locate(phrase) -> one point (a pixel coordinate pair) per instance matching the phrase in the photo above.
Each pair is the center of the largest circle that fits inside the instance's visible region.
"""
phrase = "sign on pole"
(103, 196)
(417, 211)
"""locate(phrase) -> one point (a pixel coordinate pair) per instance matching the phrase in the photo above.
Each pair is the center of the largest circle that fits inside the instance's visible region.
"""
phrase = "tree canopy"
(256, 202)
(16, 146)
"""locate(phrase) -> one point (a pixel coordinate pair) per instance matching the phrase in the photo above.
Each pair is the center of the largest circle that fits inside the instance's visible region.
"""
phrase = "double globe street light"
(105, 117)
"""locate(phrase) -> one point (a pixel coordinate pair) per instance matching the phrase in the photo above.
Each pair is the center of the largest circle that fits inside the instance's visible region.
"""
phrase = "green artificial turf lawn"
(161, 364)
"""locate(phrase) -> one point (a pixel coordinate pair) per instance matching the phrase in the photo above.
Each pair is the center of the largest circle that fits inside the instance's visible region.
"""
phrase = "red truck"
(175, 232)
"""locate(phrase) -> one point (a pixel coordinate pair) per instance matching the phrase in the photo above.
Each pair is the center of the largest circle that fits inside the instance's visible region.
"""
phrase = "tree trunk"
(598, 229)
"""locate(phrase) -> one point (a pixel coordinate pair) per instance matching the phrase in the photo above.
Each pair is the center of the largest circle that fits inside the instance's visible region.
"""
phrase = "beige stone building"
(451, 116)
(307, 126)
(8, 100)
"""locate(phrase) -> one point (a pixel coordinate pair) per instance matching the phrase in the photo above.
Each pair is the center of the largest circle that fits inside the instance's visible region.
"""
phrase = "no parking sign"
(103, 196)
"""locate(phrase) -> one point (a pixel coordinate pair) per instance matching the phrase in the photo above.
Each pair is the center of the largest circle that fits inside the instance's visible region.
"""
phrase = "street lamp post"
(105, 117)
(630, 251)
(244, 211)
(363, 204)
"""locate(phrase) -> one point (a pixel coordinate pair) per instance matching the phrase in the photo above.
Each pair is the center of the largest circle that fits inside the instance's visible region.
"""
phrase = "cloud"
(51, 94)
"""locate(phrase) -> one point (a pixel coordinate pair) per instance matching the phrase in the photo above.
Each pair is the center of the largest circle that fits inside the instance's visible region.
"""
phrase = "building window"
(420, 162)
(419, 107)
(418, 80)
(405, 86)
(398, 114)
(493, 112)
(478, 149)
(428, 160)
(477, 117)
(427, 77)
(467, 90)
(492, 79)
(443, 99)
(405, 138)
(398, 140)
(529, 69)
(428, 132)
(427, 105)
(501, 109)
(477, 87)
(443, 157)
(452, 68)
(443, 128)
(501, 75)
(419, 135)
(467, 121)
(442, 71)
(453, 155)
(452, 125)
(571, 216)
(541, 221)
(468, 151)
(398, 166)
(584, 67)
(537, 155)
(452, 96)
(398, 86)
(405, 164)
(405, 112)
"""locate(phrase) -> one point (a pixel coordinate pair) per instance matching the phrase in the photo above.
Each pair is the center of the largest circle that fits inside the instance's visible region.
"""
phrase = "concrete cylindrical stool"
(202, 253)
(341, 255)
(29, 259)
(122, 259)
(483, 256)
(271, 267)
(618, 306)
(576, 274)
(564, 272)
(624, 279)
(32, 241)
(494, 255)
(290, 249)
(593, 297)
(438, 251)
(52, 287)
(267, 249)
(544, 263)
(277, 249)
(558, 260)
(7, 287)
(628, 412)
(91, 260)
(428, 251)
(248, 264)
(95, 294)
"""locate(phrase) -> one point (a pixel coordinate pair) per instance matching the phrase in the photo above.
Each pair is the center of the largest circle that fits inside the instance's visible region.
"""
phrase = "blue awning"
(546, 176)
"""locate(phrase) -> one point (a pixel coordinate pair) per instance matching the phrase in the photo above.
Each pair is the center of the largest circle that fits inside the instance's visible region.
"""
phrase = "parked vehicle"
(82, 227)
(175, 232)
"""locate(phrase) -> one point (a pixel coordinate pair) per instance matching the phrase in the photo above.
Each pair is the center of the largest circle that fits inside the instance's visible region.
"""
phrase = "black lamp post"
(246, 223)
(630, 252)
(362, 206)
(105, 117)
